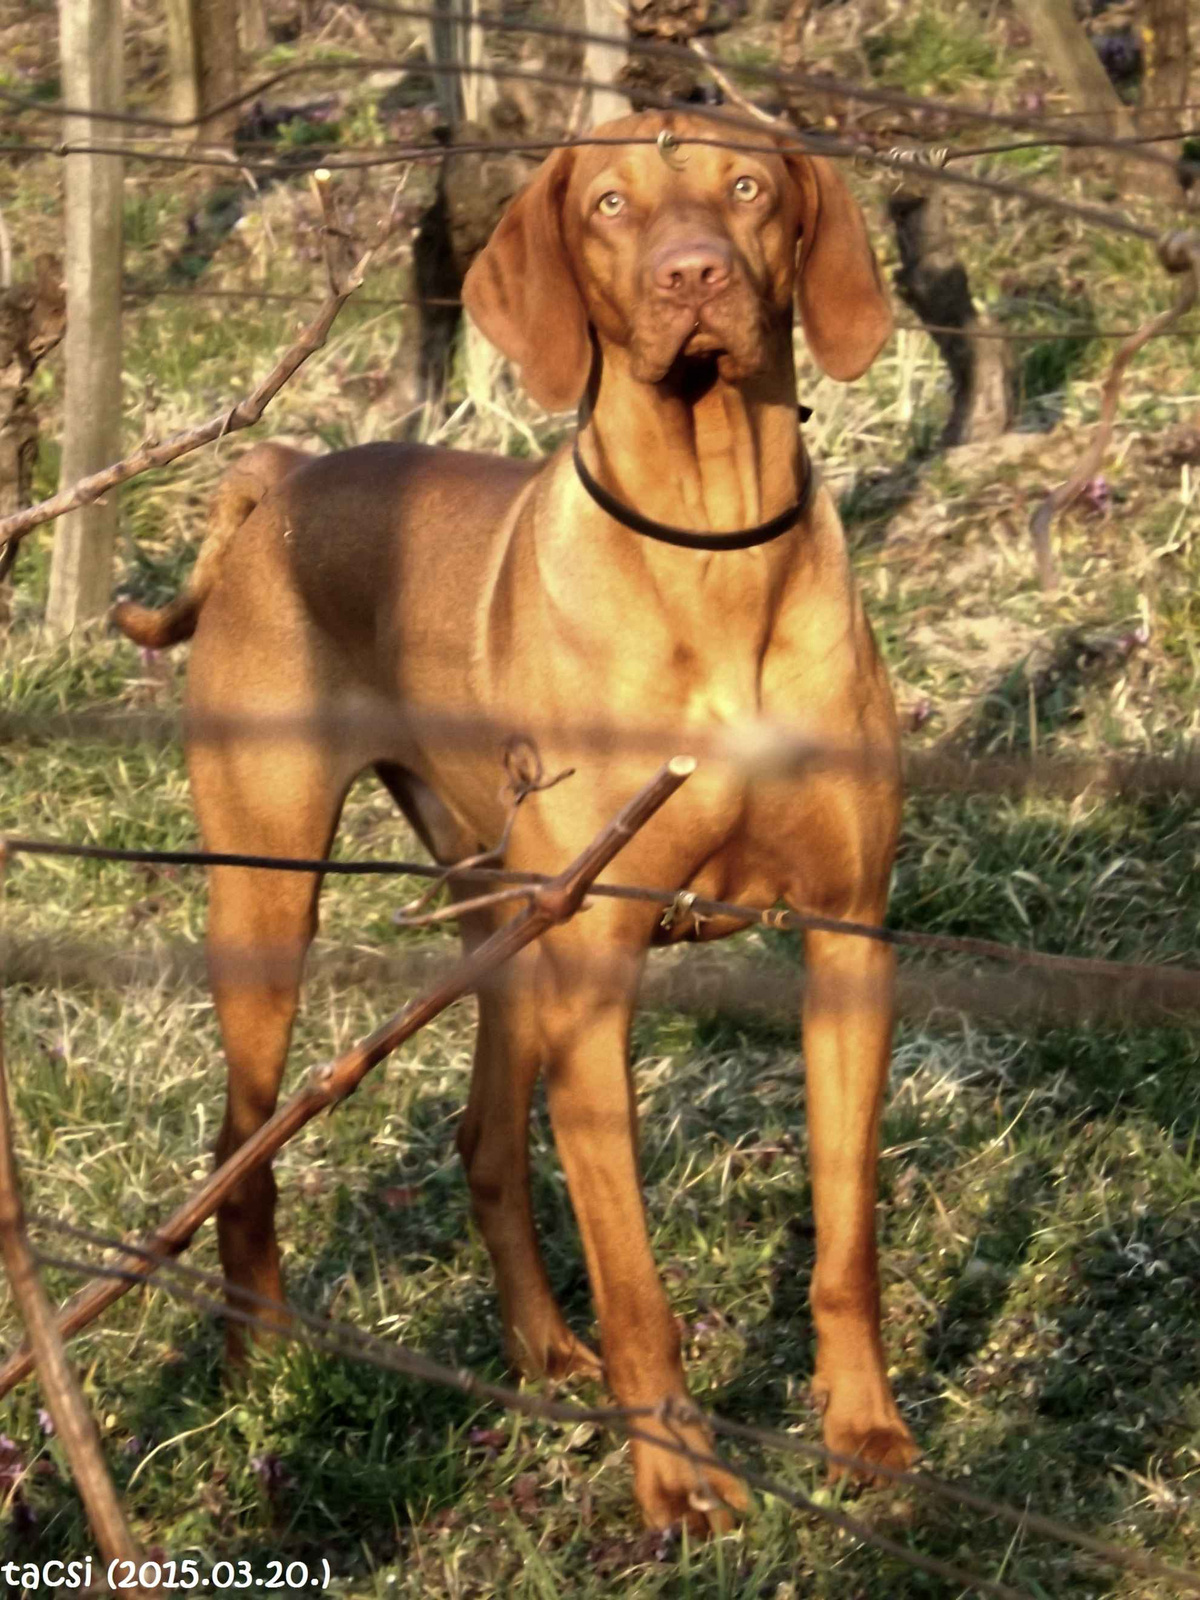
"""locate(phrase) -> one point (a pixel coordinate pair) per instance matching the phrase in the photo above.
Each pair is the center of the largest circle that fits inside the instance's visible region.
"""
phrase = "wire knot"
(668, 149)
(1178, 249)
(935, 157)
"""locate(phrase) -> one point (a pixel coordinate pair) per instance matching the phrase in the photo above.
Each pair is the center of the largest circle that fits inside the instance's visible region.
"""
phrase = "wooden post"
(933, 282)
(1164, 84)
(445, 40)
(202, 44)
(90, 37)
(792, 29)
(217, 52)
(183, 68)
(480, 90)
(1063, 45)
(255, 26)
(602, 63)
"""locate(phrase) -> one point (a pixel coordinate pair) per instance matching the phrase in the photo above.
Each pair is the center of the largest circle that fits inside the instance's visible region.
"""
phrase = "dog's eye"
(610, 204)
(746, 188)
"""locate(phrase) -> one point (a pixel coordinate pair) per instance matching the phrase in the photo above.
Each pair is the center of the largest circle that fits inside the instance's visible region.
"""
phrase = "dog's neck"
(712, 456)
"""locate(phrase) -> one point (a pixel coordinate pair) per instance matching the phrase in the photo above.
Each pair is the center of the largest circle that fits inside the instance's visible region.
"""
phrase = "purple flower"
(271, 1473)
(46, 1422)
(1135, 639)
(1097, 495)
(12, 1464)
(490, 1439)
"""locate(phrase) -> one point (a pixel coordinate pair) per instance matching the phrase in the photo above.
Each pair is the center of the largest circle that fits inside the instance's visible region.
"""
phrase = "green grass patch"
(933, 50)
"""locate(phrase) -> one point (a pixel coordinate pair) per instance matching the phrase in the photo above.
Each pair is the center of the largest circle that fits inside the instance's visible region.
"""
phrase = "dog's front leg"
(848, 1010)
(589, 974)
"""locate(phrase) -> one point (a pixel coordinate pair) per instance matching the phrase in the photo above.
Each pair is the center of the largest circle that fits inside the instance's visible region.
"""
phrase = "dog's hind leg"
(259, 798)
(493, 1141)
(493, 1135)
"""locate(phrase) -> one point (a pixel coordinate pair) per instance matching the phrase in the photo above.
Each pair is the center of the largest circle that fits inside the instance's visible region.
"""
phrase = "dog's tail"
(241, 489)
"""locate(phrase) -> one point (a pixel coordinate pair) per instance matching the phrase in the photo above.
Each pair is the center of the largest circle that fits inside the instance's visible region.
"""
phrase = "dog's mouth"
(704, 336)
(689, 356)
(700, 342)
(693, 372)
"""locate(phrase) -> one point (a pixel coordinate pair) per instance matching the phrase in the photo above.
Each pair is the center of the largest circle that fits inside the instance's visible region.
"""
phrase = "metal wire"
(342, 1338)
(312, 150)
(1129, 142)
(815, 83)
(140, 295)
(1095, 216)
(787, 80)
(350, 1343)
(811, 143)
(1180, 985)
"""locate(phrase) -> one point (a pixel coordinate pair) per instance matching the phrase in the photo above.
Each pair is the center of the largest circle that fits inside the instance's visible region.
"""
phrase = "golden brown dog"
(657, 288)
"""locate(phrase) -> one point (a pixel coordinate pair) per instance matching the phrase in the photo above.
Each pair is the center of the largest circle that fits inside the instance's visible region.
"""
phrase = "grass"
(1038, 1213)
(934, 49)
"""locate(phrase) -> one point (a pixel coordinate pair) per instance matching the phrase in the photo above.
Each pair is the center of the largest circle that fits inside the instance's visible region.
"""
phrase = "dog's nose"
(694, 271)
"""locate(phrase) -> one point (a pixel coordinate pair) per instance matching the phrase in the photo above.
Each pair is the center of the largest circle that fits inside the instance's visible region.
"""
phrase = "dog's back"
(349, 522)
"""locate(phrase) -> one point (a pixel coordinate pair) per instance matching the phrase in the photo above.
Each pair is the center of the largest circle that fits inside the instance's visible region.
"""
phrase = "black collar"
(744, 539)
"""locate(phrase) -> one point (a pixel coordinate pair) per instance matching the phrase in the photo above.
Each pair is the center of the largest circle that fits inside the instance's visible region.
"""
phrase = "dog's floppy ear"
(840, 295)
(522, 295)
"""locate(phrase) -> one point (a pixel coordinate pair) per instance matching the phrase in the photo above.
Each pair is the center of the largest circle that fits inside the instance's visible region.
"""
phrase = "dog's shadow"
(1037, 697)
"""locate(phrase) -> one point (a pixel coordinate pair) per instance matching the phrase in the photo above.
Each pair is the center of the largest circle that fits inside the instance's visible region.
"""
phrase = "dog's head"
(686, 254)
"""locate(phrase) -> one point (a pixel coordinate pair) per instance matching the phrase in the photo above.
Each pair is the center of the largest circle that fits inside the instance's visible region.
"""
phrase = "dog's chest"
(726, 837)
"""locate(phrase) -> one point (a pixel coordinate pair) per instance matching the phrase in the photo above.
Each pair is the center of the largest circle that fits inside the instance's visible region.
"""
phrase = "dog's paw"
(672, 1490)
(242, 1337)
(551, 1351)
(872, 1436)
(569, 1357)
